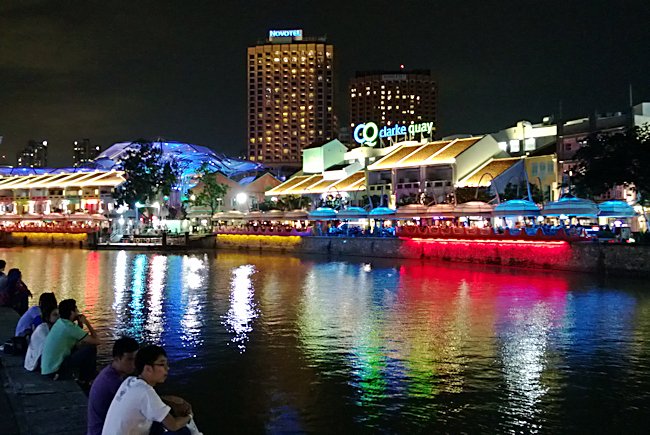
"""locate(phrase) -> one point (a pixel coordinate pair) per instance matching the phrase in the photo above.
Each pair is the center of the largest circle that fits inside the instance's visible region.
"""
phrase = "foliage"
(519, 191)
(609, 160)
(287, 203)
(213, 192)
(147, 176)
(415, 198)
(467, 194)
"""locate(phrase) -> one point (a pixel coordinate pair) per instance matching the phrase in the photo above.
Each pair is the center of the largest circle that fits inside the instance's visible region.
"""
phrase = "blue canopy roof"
(571, 206)
(616, 209)
(323, 214)
(516, 207)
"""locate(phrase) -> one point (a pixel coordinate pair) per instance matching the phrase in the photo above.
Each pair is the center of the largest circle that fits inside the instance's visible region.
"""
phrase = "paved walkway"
(34, 404)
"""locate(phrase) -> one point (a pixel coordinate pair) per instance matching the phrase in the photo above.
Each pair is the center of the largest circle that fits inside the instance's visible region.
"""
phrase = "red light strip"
(488, 241)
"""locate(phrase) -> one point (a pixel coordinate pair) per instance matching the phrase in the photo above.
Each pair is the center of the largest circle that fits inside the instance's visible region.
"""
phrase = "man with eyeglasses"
(137, 406)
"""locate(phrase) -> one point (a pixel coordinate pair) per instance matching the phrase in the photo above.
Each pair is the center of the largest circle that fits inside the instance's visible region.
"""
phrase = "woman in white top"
(35, 349)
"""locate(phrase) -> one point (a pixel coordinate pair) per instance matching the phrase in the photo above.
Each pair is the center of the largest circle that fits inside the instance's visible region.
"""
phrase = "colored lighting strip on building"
(548, 244)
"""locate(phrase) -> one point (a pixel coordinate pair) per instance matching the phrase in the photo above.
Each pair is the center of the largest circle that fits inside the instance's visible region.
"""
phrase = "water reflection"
(155, 321)
(243, 309)
(350, 347)
(193, 300)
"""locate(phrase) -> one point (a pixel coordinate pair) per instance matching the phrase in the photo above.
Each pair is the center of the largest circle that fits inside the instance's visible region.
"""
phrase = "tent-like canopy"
(353, 213)
(516, 207)
(616, 209)
(296, 214)
(440, 210)
(411, 211)
(473, 208)
(323, 214)
(381, 213)
(571, 206)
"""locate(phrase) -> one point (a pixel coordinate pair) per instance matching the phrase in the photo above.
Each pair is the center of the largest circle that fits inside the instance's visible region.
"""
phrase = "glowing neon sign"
(285, 33)
(367, 133)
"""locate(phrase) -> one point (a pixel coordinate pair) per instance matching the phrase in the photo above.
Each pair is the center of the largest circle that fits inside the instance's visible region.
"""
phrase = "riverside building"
(290, 97)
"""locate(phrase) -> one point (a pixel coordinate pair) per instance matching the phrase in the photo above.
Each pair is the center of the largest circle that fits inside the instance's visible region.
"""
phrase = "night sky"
(120, 70)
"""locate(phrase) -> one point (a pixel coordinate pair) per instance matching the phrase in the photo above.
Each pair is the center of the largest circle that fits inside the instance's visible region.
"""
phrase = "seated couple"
(122, 404)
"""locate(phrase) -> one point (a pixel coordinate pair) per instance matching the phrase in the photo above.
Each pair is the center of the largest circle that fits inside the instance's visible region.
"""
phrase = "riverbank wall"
(34, 404)
(80, 240)
(623, 259)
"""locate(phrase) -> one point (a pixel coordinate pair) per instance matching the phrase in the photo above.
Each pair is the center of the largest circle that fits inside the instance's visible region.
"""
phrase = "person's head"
(151, 364)
(124, 351)
(13, 276)
(47, 302)
(50, 317)
(68, 309)
(3, 264)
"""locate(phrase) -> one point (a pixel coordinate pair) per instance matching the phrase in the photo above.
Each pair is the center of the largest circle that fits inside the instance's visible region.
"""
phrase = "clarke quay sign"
(285, 33)
(367, 133)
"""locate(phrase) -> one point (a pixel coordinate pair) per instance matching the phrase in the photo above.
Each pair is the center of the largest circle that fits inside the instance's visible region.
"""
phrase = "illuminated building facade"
(84, 152)
(393, 97)
(33, 156)
(290, 97)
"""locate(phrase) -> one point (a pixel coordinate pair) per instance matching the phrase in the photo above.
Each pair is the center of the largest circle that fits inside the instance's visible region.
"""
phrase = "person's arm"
(178, 405)
(91, 337)
(175, 423)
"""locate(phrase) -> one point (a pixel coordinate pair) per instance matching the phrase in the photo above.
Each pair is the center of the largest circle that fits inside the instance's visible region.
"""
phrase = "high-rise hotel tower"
(393, 97)
(290, 97)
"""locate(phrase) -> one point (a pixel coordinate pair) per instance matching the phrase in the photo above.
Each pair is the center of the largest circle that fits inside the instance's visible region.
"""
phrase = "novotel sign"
(367, 133)
(285, 33)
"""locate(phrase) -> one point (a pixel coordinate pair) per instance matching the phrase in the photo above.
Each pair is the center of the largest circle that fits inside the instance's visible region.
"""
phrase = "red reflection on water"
(92, 280)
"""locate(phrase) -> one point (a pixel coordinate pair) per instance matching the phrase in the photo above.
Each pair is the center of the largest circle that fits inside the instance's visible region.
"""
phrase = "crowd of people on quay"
(59, 342)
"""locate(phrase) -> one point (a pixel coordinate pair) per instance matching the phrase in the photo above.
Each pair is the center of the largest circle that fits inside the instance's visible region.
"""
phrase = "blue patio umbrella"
(571, 206)
(323, 214)
(616, 209)
(517, 207)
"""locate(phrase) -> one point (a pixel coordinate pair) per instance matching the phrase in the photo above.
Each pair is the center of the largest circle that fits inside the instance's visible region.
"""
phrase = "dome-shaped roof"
(571, 206)
(616, 209)
(516, 207)
(323, 214)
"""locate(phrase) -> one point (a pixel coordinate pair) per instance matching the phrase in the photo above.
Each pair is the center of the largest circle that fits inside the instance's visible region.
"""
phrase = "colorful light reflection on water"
(282, 344)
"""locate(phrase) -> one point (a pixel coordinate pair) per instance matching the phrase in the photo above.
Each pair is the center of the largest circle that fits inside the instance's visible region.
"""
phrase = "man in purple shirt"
(108, 381)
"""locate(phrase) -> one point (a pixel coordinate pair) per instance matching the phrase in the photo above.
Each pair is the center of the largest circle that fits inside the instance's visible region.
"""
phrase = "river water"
(282, 344)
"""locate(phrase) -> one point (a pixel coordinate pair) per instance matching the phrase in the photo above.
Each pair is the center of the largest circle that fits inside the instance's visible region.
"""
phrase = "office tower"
(393, 97)
(84, 152)
(290, 97)
(34, 155)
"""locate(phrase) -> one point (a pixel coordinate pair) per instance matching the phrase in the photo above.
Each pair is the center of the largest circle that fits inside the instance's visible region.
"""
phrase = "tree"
(147, 175)
(606, 161)
(467, 194)
(519, 191)
(213, 192)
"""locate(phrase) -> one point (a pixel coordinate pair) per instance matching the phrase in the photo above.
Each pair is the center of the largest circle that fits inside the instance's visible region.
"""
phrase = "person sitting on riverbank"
(15, 293)
(108, 381)
(68, 347)
(137, 406)
(34, 316)
(50, 315)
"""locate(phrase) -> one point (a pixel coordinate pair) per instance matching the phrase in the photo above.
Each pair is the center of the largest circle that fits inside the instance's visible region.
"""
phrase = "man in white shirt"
(137, 405)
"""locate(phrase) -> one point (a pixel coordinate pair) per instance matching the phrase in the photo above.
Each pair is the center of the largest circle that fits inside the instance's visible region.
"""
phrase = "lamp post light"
(241, 199)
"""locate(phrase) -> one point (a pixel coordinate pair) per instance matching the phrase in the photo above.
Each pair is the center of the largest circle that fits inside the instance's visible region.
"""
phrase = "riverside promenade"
(33, 404)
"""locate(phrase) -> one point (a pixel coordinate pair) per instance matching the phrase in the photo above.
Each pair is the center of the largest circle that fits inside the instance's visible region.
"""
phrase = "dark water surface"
(280, 344)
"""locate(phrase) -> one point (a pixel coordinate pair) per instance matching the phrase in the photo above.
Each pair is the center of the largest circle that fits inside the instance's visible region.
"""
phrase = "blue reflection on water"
(138, 290)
